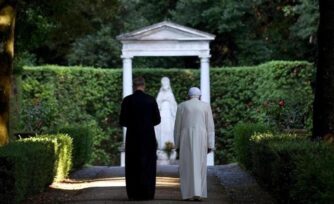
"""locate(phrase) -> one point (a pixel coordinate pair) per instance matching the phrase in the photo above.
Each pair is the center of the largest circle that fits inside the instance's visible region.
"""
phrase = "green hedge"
(28, 166)
(63, 152)
(266, 160)
(293, 169)
(54, 97)
(315, 176)
(82, 144)
(242, 133)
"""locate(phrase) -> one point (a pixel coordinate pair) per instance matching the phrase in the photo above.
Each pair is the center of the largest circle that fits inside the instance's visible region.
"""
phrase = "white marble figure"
(167, 106)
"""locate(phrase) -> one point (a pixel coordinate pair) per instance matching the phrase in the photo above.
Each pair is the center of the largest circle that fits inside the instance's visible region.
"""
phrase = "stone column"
(205, 79)
(205, 88)
(127, 76)
(127, 90)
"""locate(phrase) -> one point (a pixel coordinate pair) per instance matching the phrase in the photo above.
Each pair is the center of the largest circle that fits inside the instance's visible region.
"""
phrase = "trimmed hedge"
(54, 97)
(63, 152)
(293, 169)
(242, 134)
(82, 144)
(28, 166)
(315, 176)
(266, 158)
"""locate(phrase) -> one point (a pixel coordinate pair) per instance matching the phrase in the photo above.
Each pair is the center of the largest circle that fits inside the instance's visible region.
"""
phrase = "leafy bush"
(54, 97)
(293, 169)
(82, 144)
(272, 157)
(26, 167)
(63, 153)
(314, 176)
(242, 134)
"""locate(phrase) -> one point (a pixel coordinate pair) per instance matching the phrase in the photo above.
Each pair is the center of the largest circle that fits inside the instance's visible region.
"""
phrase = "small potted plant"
(168, 149)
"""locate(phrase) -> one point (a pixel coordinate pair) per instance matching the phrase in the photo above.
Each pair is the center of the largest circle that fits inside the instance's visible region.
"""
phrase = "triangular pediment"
(166, 31)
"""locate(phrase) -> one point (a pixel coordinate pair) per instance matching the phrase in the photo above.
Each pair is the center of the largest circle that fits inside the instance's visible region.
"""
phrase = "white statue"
(167, 106)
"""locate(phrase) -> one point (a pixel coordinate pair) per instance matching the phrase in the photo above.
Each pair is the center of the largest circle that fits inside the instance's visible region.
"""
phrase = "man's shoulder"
(184, 103)
(148, 96)
(206, 105)
(197, 103)
(126, 98)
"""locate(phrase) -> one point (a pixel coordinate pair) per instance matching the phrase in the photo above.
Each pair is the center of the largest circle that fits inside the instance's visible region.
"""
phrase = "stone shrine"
(166, 39)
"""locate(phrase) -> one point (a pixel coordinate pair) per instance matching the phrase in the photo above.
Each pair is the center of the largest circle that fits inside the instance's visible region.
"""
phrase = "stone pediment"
(166, 31)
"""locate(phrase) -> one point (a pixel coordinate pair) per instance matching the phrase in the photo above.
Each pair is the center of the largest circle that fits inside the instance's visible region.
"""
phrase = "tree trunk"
(7, 24)
(323, 114)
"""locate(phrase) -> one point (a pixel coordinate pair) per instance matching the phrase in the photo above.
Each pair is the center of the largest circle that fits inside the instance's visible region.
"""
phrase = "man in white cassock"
(194, 139)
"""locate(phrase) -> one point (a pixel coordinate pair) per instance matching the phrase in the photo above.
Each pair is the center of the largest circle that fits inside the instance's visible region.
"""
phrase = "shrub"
(26, 167)
(283, 164)
(293, 169)
(314, 175)
(266, 150)
(82, 144)
(242, 134)
(54, 97)
(63, 153)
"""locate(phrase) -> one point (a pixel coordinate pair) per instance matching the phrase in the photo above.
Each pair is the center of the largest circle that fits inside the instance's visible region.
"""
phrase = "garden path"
(101, 184)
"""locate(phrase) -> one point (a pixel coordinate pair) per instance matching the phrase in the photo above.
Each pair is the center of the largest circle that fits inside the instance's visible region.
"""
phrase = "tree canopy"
(247, 32)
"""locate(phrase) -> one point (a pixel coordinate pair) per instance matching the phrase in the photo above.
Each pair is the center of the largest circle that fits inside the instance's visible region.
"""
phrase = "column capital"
(204, 57)
(126, 57)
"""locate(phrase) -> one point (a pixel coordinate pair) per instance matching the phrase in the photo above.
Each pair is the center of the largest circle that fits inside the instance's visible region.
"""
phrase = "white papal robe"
(194, 134)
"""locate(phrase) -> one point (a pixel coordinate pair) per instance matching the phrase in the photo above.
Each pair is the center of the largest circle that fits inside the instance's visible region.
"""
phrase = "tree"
(96, 50)
(7, 25)
(323, 115)
(251, 32)
(247, 32)
(39, 18)
(54, 25)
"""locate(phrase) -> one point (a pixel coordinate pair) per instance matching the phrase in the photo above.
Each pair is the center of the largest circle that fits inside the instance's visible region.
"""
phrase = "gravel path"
(240, 186)
(101, 184)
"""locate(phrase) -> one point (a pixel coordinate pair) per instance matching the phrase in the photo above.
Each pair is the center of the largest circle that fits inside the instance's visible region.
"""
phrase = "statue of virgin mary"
(167, 106)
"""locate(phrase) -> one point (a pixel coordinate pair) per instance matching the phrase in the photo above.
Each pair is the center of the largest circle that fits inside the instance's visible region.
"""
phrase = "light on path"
(110, 183)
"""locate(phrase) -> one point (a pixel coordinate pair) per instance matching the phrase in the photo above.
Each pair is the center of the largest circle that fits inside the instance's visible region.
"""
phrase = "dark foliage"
(82, 144)
(54, 97)
(292, 168)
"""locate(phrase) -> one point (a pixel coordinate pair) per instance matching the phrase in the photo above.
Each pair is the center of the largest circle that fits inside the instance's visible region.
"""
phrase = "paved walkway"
(100, 184)
(240, 186)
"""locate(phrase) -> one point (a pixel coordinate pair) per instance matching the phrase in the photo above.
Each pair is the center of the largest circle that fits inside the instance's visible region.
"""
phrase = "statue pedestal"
(164, 160)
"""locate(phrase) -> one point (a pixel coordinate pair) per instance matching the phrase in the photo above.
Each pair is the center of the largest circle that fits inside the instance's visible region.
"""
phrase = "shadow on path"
(101, 184)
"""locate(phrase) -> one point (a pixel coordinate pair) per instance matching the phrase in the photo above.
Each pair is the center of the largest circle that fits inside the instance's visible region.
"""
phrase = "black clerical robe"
(139, 114)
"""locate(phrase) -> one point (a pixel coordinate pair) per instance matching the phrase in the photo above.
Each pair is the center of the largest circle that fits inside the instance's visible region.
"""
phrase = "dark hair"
(139, 81)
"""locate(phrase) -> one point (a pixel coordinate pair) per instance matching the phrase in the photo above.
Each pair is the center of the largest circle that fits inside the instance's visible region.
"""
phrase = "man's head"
(194, 92)
(139, 83)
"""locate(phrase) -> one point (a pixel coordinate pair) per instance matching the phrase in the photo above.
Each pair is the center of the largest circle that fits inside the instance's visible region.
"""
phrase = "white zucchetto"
(194, 92)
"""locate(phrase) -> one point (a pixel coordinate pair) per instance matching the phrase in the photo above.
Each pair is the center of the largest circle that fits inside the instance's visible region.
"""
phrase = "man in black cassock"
(139, 114)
